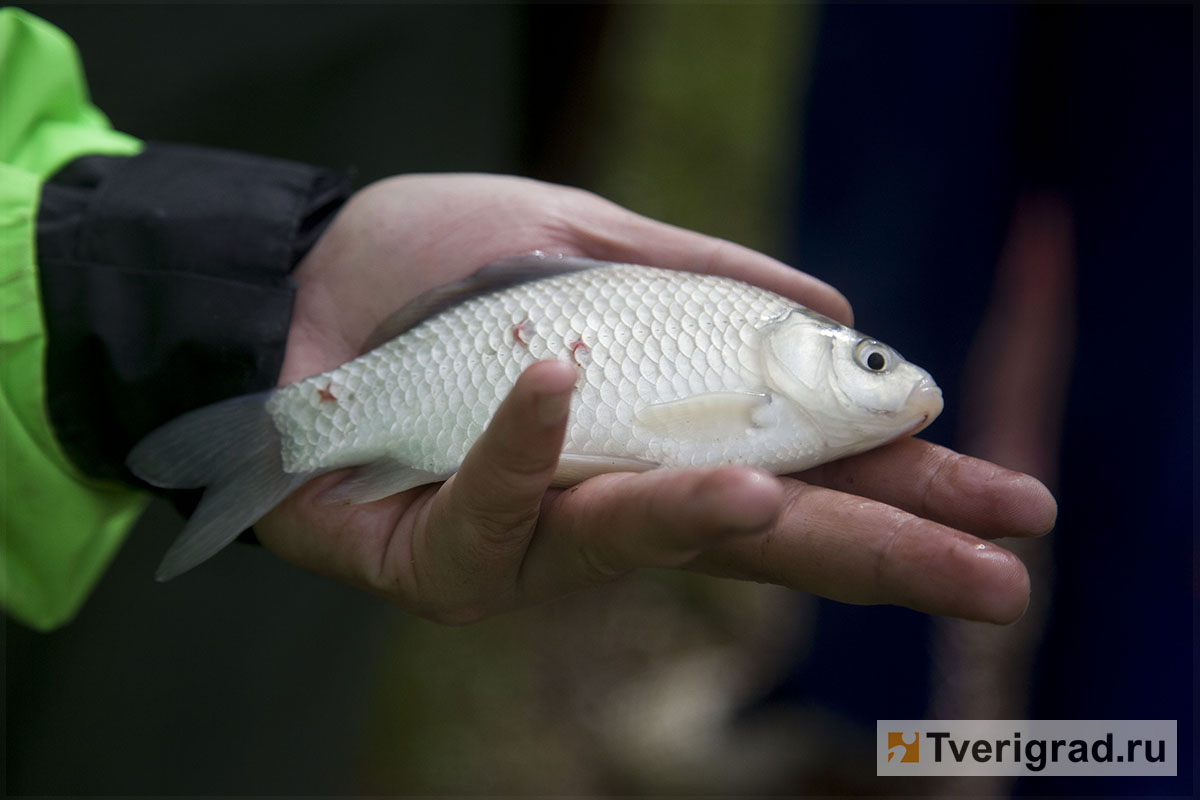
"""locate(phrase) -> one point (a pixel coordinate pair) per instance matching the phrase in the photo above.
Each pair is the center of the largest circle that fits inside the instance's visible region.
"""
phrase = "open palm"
(900, 524)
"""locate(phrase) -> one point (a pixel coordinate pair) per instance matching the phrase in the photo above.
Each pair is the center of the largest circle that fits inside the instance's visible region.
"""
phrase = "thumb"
(480, 525)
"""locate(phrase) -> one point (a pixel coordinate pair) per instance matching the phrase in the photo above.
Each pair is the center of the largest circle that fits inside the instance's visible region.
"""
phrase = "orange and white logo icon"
(906, 745)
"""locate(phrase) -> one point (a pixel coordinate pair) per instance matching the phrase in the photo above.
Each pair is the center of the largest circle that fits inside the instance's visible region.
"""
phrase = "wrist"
(165, 284)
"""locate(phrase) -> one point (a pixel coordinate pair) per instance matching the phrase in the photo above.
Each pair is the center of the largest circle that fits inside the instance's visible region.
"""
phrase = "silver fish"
(676, 369)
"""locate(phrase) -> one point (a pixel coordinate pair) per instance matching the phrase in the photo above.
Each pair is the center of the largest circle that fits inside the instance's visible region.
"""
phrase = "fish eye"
(874, 356)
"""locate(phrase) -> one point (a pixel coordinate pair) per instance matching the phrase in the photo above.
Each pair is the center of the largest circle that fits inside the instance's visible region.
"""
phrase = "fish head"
(854, 390)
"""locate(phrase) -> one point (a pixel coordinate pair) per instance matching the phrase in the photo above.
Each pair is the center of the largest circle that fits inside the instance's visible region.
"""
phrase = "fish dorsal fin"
(493, 277)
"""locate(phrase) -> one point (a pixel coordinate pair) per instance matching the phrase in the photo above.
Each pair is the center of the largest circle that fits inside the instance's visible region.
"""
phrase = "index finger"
(935, 482)
(865, 552)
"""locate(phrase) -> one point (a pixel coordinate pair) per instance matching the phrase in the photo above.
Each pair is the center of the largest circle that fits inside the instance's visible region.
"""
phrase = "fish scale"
(653, 335)
(676, 369)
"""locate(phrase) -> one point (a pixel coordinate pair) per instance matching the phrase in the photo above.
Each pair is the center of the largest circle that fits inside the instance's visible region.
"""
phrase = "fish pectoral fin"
(375, 481)
(575, 467)
(710, 415)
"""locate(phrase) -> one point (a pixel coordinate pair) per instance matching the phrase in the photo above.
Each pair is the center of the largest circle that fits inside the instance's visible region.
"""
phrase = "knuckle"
(889, 552)
(937, 477)
(496, 509)
(719, 252)
(510, 471)
(597, 568)
(522, 467)
(496, 528)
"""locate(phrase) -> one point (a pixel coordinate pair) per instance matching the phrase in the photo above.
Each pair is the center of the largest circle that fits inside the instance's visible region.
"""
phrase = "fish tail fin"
(233, 449)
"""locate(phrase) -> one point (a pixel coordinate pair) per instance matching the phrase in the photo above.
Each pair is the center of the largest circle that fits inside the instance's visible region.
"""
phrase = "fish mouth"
(925, 399)
(918, 426)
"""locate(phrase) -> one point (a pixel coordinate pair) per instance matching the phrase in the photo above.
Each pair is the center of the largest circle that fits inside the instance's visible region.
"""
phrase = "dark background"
(884, 149)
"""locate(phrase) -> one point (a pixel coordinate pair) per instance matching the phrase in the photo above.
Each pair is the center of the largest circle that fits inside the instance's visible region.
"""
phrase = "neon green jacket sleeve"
(58, 529)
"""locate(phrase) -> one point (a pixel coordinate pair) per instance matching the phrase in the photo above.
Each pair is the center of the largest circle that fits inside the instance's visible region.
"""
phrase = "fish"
(675, 369)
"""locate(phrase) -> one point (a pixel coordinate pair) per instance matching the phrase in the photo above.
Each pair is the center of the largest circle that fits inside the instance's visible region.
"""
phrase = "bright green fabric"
(58, 529)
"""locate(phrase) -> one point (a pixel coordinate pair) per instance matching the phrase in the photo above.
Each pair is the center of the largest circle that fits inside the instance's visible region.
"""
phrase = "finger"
(935, 482)
(612, 524)
(347, 543)
(626, 236)
(470, 546)
(860, 551)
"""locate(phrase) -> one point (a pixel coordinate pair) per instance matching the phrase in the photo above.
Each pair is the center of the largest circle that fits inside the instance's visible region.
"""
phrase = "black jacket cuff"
(165, 286)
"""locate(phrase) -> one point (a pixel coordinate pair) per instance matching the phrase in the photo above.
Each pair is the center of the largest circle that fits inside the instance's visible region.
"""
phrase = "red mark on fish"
(325, 395)
(580, 351)
(522, 331)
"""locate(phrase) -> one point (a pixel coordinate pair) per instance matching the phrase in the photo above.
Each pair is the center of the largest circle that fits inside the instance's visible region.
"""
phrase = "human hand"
(888, 526)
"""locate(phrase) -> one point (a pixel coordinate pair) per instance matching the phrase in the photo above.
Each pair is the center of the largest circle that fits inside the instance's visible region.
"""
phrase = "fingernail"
(552, 409)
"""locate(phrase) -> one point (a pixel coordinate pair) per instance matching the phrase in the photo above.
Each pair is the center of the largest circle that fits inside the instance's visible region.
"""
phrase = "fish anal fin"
(375, 481)
(574, 468)
(709, 415)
